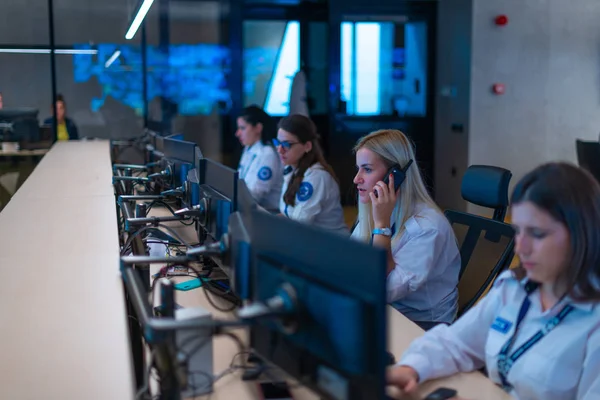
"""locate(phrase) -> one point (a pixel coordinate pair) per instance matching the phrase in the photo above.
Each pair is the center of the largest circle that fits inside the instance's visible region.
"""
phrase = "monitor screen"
(159, 146)
(246, 202)
(239, 265)
(180, 150)
(335, 340)
(13, 114)
(220, 178)
(19, 125)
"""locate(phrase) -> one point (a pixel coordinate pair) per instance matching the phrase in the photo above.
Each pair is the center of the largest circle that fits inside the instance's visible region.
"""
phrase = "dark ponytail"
(306, 131)
(255, 115)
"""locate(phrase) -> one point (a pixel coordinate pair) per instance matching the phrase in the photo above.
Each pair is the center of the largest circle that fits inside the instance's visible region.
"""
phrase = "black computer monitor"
(336, 341)
(221, 178)
(180, 150)
(193, 179)
(180, 157)
(199, 156)
(239, 265)
(19, 125)
(176, 136)
(246, 203)
(159, 145)
(218, 196)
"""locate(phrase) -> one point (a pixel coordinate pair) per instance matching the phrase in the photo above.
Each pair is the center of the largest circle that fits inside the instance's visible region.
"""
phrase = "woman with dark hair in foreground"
(537, 332)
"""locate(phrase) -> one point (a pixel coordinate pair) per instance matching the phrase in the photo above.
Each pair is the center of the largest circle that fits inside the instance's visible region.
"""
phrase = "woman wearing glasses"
(259, 166)
(310, 190)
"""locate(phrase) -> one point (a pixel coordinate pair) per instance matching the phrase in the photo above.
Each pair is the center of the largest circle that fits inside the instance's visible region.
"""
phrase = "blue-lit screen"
(192, 76)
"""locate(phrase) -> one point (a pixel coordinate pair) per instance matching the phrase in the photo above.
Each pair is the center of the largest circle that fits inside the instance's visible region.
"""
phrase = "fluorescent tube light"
(112, 59)
(47, 51)
(139, 17)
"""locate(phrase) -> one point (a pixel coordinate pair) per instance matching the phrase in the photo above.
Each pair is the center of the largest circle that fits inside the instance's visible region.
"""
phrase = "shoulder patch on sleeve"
(265, 173)
(305, 191)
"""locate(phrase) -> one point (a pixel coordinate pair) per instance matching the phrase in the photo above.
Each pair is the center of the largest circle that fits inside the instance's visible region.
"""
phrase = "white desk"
(401, 332)
(71, 169)
(64, 323)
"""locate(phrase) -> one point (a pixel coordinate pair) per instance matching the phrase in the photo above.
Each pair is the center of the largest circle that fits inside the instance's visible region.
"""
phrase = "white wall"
(548, 56)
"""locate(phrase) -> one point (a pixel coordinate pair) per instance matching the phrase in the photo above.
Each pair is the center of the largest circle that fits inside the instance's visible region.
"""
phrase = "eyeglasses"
(284, 144)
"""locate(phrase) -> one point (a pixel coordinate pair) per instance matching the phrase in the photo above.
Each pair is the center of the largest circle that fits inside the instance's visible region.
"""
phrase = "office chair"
(486, 245)
(487, 186)
(588, 156)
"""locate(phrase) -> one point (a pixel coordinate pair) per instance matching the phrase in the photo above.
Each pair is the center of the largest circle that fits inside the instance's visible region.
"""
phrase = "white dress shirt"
(317, 200)
(422, 286)
(563, 365)
(261, 168)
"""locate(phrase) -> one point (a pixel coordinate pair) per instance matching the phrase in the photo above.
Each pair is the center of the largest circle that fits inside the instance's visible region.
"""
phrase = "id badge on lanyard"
(505, 362)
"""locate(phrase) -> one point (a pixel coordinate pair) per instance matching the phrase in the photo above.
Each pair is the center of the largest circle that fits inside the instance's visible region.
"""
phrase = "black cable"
(216, 332)
(198, 274)
(150, 227)
(212, 303)
(236, 339)
(205, 283)
(209, 381)
(241, 353)
(171, 210)
(188, 354)
(218, 290)
(188, 224)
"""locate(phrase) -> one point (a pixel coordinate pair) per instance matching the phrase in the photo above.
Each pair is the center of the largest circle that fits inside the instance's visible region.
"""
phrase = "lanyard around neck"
(506, 362)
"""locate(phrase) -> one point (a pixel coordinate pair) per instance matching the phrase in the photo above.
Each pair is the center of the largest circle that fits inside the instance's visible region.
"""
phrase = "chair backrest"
(588, 156)
(486, 249)
(487, 186)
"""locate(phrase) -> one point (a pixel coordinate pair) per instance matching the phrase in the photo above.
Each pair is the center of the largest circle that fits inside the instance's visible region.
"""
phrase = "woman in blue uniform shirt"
(423, 257)
(311, 193)
(259, 166)
(538, 330)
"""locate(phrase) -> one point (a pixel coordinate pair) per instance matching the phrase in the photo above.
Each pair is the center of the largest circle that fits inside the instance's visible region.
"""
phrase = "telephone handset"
(399, 174)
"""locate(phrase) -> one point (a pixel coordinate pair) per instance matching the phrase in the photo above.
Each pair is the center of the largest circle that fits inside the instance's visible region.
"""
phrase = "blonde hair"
(394, 148)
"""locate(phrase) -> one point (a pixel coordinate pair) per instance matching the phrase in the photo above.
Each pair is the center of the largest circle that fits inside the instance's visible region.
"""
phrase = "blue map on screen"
(192, 76)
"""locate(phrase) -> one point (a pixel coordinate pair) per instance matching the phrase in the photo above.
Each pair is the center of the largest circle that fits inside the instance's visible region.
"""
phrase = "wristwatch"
(382, 231)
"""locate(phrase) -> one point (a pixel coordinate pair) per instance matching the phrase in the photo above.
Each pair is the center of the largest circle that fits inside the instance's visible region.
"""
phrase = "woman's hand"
(383, 205)
(404, 378)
